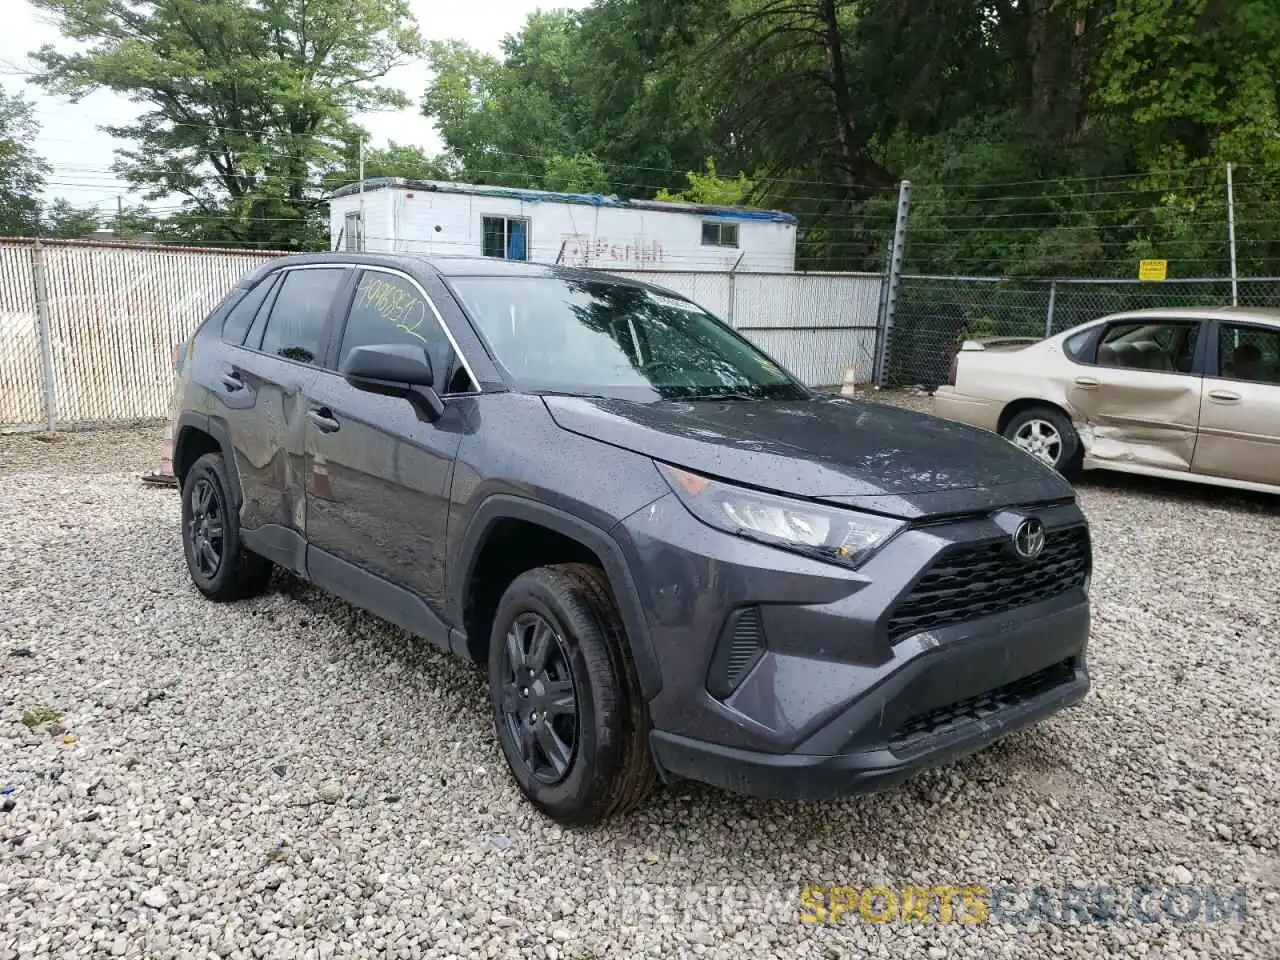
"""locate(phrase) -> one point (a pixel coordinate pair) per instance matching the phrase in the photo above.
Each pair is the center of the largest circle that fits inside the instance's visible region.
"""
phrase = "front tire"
(566, 704)
(220, 565)
(1048, 435)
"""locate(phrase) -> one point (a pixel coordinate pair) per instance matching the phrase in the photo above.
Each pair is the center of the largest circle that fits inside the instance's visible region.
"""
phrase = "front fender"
(499, 507)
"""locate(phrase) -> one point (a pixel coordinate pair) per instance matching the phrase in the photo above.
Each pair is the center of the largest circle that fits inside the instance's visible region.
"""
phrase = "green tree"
(250, 100)
(710, 188)
(502, 119)
(581, 173)
(68, 222)
(401, 160)
(600, 98)
(22, 171)
(1196, 81)
(133, 222)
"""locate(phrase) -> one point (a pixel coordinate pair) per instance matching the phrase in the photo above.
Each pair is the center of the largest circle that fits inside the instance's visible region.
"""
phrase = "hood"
(865, 455)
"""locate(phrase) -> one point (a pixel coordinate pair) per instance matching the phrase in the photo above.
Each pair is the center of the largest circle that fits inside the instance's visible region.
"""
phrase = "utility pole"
(1231, 234)
(360, 228)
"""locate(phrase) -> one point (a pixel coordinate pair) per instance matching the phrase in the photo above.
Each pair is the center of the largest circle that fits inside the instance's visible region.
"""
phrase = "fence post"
(44, 334)
(1048, 316)
(895, 271)
(733, 290)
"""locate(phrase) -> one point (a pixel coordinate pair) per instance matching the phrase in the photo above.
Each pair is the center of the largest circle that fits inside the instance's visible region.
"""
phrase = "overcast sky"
(82, 155)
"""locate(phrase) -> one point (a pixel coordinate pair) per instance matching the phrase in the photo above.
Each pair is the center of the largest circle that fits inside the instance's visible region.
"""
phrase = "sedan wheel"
(1041, 439)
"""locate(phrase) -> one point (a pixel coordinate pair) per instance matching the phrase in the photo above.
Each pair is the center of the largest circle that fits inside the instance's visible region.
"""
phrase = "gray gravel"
(288, 777)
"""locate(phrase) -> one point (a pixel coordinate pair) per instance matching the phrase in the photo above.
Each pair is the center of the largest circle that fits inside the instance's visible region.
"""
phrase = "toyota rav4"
(674, 558)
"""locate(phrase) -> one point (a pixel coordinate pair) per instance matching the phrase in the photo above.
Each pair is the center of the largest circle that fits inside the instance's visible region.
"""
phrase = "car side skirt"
(378, 596)
(1185, 475)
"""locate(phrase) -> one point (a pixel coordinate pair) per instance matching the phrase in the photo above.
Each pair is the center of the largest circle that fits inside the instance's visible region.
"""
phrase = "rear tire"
(1047, 433)
(604, 767)
(220, 565)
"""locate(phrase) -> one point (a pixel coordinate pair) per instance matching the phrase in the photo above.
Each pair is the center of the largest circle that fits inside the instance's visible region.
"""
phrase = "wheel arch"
(1016, 407)
(198, 434)
(574, 539)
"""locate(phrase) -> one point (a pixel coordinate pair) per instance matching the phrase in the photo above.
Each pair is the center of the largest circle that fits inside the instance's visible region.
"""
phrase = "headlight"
(825, 533)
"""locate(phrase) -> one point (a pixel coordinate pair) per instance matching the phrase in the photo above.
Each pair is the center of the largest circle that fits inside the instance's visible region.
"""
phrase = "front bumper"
(840, 696)
(943, 702)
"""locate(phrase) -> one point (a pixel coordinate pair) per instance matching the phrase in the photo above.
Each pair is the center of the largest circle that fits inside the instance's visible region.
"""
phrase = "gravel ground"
(288, 777)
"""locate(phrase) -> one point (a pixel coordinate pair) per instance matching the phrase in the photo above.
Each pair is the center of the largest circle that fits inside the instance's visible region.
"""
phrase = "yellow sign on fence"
(1153, 269)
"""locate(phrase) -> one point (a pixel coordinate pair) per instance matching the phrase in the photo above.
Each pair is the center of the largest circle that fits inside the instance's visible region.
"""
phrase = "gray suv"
(674, 559)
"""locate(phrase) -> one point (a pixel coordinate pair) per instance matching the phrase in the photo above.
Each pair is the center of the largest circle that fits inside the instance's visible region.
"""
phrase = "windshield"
(561, 335)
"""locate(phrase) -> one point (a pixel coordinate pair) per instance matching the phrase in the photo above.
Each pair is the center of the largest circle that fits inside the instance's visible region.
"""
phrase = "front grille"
(926, 726)
(971, 581)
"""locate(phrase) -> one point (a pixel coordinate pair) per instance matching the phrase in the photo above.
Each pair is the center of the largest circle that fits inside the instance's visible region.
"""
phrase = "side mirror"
(395, 370)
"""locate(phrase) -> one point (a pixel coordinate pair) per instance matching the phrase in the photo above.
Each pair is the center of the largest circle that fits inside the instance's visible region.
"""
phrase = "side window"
(1249, 353)
(390, 309)
(1164, 346)
(237, 322)
(295, 329)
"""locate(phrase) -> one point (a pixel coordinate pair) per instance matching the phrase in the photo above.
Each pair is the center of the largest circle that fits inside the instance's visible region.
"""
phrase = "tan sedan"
(1191, 394)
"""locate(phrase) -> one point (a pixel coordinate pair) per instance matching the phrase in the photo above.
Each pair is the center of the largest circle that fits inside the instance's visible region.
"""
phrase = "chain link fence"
(933, 315)
(21, 379)
(87, 330)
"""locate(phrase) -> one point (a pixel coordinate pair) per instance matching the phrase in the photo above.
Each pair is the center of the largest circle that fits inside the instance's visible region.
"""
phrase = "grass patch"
(39, 716)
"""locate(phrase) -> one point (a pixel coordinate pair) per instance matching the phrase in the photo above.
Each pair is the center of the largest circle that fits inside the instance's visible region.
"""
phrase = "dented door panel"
(1137, 416)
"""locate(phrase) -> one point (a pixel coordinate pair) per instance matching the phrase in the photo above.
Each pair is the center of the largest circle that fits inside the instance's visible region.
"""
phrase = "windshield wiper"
(721, 395)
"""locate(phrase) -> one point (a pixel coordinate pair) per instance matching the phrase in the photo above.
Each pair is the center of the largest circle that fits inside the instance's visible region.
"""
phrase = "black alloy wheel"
(206, 527)
(539, 705)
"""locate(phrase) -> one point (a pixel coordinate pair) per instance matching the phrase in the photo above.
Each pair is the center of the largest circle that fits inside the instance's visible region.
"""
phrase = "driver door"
(378, 476)
(1140, 398)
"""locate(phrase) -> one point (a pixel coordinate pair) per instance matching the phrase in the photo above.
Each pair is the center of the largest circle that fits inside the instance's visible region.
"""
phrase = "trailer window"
(718, 234)
(506, 238)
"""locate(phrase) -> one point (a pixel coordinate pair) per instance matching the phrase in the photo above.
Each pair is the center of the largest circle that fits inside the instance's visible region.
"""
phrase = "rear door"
(378, 495)
(1240, 411)
(1139, 394)
(264, 382)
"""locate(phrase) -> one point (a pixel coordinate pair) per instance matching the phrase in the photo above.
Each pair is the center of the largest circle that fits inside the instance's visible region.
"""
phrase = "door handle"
(1224, 396)
(1087, 383)
(232, 382)
(324, 420)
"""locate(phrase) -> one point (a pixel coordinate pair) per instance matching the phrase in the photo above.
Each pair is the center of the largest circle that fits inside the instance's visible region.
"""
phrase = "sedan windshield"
(597, 337)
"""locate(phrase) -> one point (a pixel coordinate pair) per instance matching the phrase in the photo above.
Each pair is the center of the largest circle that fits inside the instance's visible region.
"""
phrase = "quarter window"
(1251, 354)
(718, 234)
(295, 329)
(505, 237)
(390, 309)
(1077, 346)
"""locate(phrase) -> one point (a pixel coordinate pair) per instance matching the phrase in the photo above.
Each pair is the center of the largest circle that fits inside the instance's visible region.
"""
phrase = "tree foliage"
(1042, 137)
(22, 171)
(250, 101)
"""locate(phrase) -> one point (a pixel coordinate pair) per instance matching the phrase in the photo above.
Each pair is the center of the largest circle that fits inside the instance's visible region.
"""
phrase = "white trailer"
(391, 215)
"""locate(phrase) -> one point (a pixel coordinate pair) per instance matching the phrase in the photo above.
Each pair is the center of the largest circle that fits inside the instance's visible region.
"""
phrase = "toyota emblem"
(1028, 539)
